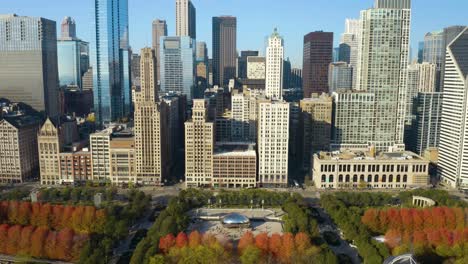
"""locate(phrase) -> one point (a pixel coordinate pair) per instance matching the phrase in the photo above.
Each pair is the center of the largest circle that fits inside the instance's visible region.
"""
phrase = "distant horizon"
(427, 16)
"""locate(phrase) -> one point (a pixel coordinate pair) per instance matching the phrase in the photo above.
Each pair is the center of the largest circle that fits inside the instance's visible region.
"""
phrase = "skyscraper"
(28, 65)
(428, 118)
(242, 62)
(151, 153)
(318, 51)
(178, 65)
(349, 45)
(199, 147)
(434, 50)
(224, 49)
(186, 21)
(340, 77)
(256, 68)
(273, 147)
(450, 33)
(72, 54)
(274, 66)
(159, 30)
(453, 152)
(112, 70)
(68, 27)
(382, 67)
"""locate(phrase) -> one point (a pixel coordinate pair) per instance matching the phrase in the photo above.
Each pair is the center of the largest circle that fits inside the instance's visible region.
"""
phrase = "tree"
(371, 219)
(24, 245)
(3, 237)
(275, 244)
(24, 213)
(13, 239)
(64, 244)
(261, 242)
(166, 243)
(194, 239)
(245, 241)
(302, 242)
(38, 239)
(393, 238)
(288, 247)
(181, 240)
(251, 255)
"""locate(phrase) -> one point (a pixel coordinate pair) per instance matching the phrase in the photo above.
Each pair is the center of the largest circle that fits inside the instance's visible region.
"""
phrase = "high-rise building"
(274, 66)
(434, 50)
(68, 28)
(273, 147)
(28, 65)
(199, 147)
(453, 151)
(234, 166)
(202, 52)
(340, 77)
(178, 65)
(349, 45)
(420, 51)
(242, 63)
(316, 124)
(112, 93)
(428, 118)
(50, 144)
(318, 50)
(100, 144)
(186, 20)
(382, 68)
(287, 68)
(159, 30)
(72, 55)
(450, 33)
(427, 77)
(150, 115)
(256, 68)
(122, 160)
(19, 160)
(135, 69)
(296, 78)
(87, 81)
(224, 49)
(201, 68)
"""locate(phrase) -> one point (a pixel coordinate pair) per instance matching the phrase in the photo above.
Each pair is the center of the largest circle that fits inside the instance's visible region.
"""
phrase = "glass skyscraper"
(112, 94)
(73, 61)
(178, 65)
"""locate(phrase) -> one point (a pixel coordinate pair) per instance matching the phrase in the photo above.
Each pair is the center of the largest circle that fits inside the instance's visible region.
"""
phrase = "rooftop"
(235, 149)
(367, 155)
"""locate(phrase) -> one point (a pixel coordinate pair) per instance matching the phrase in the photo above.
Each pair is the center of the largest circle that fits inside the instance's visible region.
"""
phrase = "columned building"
(274, 66)
(453, 152)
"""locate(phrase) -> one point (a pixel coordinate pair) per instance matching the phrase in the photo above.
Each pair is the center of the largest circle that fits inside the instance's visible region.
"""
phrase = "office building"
(151, 124)
(296, 78)
(186, 20)
(87, 80)
(112, 93)
(450, 33)
(316, 124)
(428, 120)
(122, 160)
(19, 160)
(100, 144)
(178, 66)
(420, 51)
(349, 45)
(199, 147)
(367, 169)
(50, 144)
(135, 70)
(287, 71)
(353, 120)
(159, 30)
(224, 49)
(242, 63)
(256, 68)
(176, 111)
(72, 55)
(201, 69)
(434, 49)
(273, 147)
(318, 51)
(274, 66)
(427, 77)
(234, 166)
(421, 78)
(75, 165)
(382, 67)
(29, 45)
(453, 148)
(340, 77)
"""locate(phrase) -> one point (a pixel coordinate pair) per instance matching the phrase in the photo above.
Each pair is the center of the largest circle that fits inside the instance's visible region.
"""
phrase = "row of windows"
(362, 178)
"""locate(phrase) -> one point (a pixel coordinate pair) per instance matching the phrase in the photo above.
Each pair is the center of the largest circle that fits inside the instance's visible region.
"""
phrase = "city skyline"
(306, 19)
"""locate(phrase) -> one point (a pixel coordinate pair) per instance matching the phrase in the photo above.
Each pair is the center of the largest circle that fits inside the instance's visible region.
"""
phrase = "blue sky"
(256, 18)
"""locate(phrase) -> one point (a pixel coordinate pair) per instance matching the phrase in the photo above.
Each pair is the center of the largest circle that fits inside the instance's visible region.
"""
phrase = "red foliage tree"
(24, 245)
(13, 238)
(38, 239)
(44, 215)
(275, 244)
(50, 245)
(287, 248)
(371, 219)
(261, 242)
(181, 240)
(194, 239)
(64, 243)
(24, 213)
(166, 243)
(3, 237)
(302, 242)
(393, 238)
(245, 241)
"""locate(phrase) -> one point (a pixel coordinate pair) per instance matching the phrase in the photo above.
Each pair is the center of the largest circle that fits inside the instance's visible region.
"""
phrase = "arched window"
(405, 178)
(390, 178)
(347, 178)
(361, 178)
(324, 178)
(355, 178)
(384, 178)
(330, 178)
(376, 178)
(369, 178)
(340, 178)
(398, 178)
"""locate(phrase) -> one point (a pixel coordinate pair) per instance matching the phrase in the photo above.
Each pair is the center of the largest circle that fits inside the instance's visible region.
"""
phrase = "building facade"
(362, 170)
(76, 166)
(100, 145)
(199, 147)
(19, 161)
(256, 68)
(159, 30)
(112, 93)
(340, 77)
(224, 49)
(273, 146)
(186, 19)
(242, 62)
(453, 150)
(178, 66)
(234, 166)
(122, 161)
(316, 124)
(318, 52)
(428, 119)
(50, 144)
(274, 66)
(29, 45)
